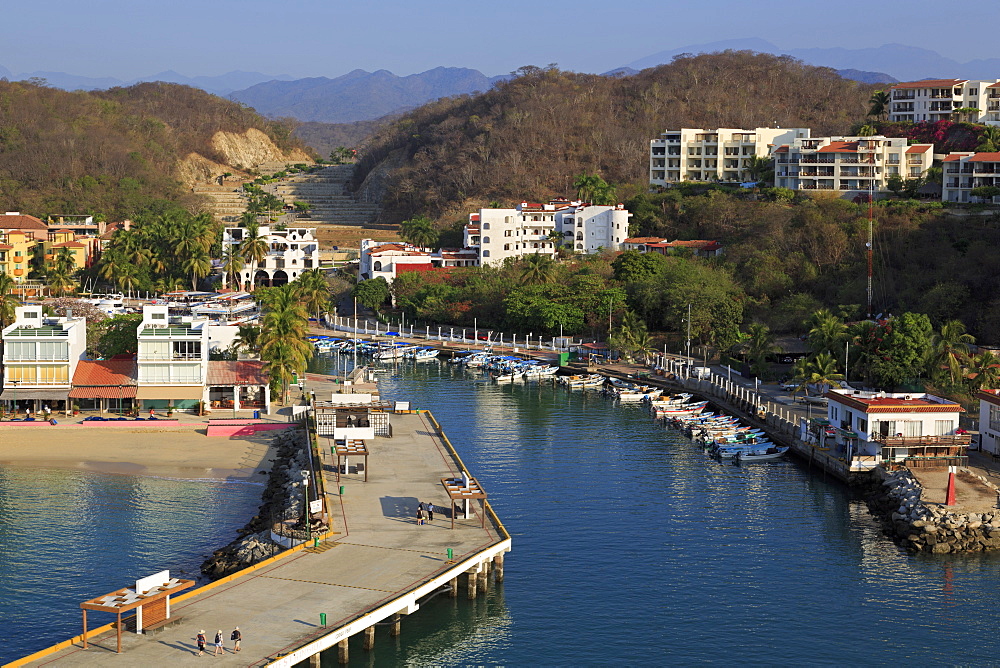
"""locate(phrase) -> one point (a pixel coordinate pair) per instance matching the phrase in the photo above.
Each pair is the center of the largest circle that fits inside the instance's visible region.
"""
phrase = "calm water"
(67, 536)
(631, 547)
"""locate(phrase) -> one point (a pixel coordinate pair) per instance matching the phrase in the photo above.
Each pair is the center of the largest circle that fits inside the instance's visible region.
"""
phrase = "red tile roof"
(700, 244)
(474, 218)
(104, 379)
(69, 244)
(929, 83)
(985, 157)
(5, 247)
(21, 222)
(893, 404)
(840, 147)
(645, 240)
(229, 373)
(920, 148)
(782, 149)
(954, 157)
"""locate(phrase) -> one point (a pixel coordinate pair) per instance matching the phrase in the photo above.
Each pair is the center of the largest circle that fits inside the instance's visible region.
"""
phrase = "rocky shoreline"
(281, 501)
(895, 499)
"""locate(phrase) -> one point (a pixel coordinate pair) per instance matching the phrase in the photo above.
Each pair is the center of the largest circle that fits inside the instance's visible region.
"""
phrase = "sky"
(128, 39)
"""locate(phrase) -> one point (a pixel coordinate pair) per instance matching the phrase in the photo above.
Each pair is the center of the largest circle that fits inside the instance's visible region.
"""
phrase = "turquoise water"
(631, 547)
(68, 536)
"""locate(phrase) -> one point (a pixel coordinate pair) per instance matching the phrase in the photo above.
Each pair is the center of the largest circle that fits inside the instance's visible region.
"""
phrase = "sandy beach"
(176, 453)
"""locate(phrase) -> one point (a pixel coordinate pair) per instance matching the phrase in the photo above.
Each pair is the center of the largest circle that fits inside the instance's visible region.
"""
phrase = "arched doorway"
(279, 278)
(261, 278)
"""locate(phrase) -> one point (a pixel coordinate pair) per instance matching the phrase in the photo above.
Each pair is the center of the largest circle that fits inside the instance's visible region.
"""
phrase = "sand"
(185, 453)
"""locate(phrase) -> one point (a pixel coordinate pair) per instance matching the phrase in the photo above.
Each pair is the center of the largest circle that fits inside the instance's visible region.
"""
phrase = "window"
(53, 374)
(943, 427)
(154, 373)
(486, 226)
(912, 429)
(53, 350)
(995, 418)
(157, 316)
(506, 247)
(486, 240)
(508, 233)
(189, 373)
(486, 253)
(23, 375)
(187, 350)
(377, 266)
(154, 350)
(862, 425)
(20, 350)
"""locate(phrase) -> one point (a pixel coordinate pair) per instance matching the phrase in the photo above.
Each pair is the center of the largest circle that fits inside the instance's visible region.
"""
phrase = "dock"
(374, 567)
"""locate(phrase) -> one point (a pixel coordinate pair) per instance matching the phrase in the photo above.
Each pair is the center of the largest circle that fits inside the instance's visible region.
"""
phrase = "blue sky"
(129, 39)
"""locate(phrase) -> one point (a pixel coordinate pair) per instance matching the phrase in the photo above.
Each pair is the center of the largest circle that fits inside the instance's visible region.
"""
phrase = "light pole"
(689, 340)
(305, 495)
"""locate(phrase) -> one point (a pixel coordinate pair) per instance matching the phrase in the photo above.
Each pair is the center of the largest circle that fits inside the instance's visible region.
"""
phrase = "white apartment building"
(172, 359)
(694, 154)
(40, 356)
(989, 421)
(289, 252)
(890, 426)
(531, 228)
(937, 99)
(848, 165)
(964, 171)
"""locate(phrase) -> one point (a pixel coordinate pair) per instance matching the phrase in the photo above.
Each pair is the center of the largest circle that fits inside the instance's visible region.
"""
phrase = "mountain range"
(360, 95)
(222, 84)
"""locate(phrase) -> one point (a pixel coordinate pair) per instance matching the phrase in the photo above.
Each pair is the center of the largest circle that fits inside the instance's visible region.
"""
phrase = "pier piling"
(314, 660)
(342, 652)
(498, 567)
(471, 578)
(483, 577)
(454, 588)
(395, 629)
(369, 642)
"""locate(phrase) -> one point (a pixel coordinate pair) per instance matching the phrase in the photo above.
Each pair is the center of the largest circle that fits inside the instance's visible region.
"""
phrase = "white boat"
(422, 354)
(577, 382)
(771, 453)
(394, 353)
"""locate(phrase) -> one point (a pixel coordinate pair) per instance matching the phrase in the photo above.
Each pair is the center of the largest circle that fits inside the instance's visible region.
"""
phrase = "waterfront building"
(989, 421)
(289, 252)
(532, 228)
(238, 385)
(938, 100)
(694, 154)
(40, 356)
(19, 233)
(849, 166)
(895, 427)
(104, 385)
(964, 171)
(172, 359)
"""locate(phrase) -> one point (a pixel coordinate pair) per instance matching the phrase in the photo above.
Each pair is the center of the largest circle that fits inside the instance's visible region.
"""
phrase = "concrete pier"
(377, 565)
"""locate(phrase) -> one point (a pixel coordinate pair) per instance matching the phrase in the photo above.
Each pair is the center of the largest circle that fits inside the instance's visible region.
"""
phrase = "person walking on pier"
(236, 637)
(420, 514)
(220, 647)
(430, 512)
(201, 642)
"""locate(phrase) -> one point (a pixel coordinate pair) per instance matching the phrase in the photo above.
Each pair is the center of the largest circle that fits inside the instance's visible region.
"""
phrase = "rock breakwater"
(924, 527)
(281, 502)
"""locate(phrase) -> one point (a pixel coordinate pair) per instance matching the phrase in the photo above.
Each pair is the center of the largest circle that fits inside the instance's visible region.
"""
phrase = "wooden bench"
(159, 626)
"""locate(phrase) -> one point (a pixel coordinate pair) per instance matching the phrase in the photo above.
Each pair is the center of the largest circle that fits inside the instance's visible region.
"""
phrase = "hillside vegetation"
(112, 152)
(530, 136)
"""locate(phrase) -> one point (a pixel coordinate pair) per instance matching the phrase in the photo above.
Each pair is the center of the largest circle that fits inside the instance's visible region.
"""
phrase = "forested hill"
(114, 152)
(528, 137)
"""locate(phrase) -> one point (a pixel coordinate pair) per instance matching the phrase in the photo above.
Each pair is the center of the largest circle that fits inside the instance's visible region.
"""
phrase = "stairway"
(326, 190)
(227, 201)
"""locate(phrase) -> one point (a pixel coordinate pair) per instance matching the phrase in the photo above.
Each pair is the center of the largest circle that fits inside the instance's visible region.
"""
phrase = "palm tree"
(867, 131)
(253, 248)
(198, 265)
(248, 339)
(7, 300)
(823, 371)
(827, 332)
(284, 329)
(537, 269)
(419, 231)
(313, 291)
(950, 351)
(984, 371)
(879, 102)
(758, 345)
(232, 265)
(759, 168)
(989, 140)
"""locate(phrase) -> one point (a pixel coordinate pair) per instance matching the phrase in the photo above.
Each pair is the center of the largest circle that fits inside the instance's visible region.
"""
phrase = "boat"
(771, 453)
(421, 354)
(577, 382)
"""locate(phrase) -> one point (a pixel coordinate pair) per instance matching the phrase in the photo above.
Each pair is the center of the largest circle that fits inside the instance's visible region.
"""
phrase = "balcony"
(904, 96)
(817, 186)
(815, 160)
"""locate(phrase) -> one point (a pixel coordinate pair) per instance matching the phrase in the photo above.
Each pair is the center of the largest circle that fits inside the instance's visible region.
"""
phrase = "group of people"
(220, 647)
(425, 513)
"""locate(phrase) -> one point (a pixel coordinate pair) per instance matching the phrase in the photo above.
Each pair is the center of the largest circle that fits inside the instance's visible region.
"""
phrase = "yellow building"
(15, 253)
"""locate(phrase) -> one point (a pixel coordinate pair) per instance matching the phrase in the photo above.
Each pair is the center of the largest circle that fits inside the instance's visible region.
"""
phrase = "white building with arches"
(289, 252)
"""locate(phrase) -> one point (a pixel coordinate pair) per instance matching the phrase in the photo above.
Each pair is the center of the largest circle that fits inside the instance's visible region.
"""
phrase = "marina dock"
(374, 567)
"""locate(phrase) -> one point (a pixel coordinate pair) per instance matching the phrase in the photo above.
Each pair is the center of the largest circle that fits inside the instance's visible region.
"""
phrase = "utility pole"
(689, 340)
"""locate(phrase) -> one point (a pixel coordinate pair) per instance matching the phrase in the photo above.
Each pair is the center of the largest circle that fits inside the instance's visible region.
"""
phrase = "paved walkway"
(378, 554)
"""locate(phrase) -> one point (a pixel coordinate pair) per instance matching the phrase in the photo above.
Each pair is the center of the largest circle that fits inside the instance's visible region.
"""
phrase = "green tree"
(758, 346)
(198, 265)
(983, 371)
(760, 168)
(900, 349)
(632, 266)
(867, 131)
(232, 265)
(879, 102)
(827, 333)
(121, 336)
(372, 293)
(313, 291)
(253, 248)
(284, 347)
(8, 302)
(592, 188)
(823, 373)
(248, 339)
(419, 231)
(989, 139)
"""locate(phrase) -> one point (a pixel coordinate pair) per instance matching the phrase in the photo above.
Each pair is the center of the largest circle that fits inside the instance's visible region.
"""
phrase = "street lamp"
(305, 495)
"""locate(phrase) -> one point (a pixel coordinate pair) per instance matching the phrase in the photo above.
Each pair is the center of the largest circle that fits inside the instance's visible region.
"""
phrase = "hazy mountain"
(360, 95)
(222, 84)
(868, 77)
(905, 63)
